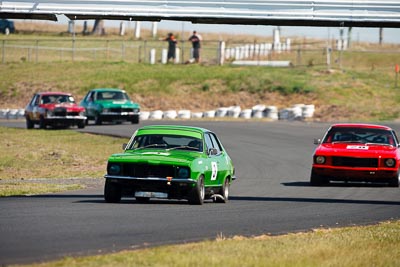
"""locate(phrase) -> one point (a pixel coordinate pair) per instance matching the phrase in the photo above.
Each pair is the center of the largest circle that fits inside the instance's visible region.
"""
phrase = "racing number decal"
(214, 170)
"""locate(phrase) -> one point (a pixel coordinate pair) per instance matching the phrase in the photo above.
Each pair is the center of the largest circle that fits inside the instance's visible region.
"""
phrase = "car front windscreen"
(57, 99)
(167, 142)
(359, 135)
(112, 95)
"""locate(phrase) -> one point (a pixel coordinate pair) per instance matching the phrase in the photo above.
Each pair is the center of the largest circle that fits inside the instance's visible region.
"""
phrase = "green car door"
(217, 165)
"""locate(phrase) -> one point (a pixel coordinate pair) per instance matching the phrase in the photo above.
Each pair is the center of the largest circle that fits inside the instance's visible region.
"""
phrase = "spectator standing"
(171, 46)
(195, 39)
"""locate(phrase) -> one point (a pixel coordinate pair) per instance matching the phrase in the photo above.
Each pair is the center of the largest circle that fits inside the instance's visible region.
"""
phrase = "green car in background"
(170, 162)
(108, 104)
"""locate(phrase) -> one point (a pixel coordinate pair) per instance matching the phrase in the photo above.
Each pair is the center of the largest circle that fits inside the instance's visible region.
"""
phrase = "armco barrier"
(296, 112)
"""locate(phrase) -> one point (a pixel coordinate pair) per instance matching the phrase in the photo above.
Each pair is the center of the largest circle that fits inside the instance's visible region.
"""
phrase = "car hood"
(117, 104)
(152, 156)
(71, 107)
(355, 149)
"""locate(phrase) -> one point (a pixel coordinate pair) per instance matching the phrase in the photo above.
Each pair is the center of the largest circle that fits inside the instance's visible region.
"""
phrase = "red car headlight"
(319, 159)
(390, 162)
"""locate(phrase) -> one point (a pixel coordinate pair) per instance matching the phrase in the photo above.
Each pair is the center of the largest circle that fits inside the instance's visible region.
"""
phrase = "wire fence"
(213, 52)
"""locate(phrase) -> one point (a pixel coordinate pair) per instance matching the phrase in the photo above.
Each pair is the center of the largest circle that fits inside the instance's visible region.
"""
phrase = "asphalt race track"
(271, 195)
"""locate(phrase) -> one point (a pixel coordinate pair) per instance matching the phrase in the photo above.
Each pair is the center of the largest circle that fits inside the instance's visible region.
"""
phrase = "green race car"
(109, 104)
(171, 162)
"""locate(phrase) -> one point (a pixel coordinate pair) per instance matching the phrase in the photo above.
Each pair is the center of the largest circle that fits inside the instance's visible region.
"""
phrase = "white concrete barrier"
(209, 114)
(271, 112)
(234, 111)
(296, 112)
(246, 114)
(4, 113)
(184, 114)
(156, 115)
(308, 111)
(197, 115)
(221, 112)
(144, 115)
(170, 114)
(258, 111)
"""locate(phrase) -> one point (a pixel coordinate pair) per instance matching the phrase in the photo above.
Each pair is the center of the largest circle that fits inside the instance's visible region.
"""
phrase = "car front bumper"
(174, 187)
(354, 174)
(114, 116)
(65, 119)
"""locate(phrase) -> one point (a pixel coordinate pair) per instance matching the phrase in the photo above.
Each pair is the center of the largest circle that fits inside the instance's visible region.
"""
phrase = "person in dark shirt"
(171, 46)
(195, 39)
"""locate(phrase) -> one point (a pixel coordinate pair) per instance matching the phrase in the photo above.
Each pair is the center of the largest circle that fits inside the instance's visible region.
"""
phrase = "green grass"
(32, 154)
(357, 95)
(376, 245)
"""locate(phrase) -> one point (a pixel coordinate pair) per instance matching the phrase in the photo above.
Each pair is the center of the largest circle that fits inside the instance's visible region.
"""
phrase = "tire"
(316, 180)
(142, 199)
(42, 123)
(29, 123)
(135, 120)
(97, 119)
(81, 124)
(224, 193)
(112, 192)
(196, 195)
(395, 182)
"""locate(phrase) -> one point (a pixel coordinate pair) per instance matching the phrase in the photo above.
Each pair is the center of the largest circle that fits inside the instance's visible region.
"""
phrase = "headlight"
(82, 113)
(319, 159)
(114, 169)
(49, 113)
(105, 110)
(183, 172)
(390, 162)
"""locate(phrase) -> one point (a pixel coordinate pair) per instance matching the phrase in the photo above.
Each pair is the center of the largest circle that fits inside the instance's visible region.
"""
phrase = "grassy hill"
(358, 86)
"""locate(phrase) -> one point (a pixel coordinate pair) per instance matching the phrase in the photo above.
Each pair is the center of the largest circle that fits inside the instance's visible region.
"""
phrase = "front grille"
(60, 112)
(119, 110)
(147, 170)
(354, 162)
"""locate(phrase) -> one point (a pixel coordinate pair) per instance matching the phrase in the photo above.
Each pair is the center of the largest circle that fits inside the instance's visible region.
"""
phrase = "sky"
(390, 35)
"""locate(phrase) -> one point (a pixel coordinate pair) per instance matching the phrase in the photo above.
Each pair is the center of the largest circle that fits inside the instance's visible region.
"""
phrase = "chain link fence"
(298, 54)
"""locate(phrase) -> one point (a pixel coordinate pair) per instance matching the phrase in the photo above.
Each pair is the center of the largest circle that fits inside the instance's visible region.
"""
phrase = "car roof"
(175, 127)
(54, 93)
(360, 125)
(107, 89)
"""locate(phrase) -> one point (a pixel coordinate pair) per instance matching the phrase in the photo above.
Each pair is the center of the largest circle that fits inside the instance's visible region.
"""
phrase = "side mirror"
(317, 141)
(212, 151)
(124, 146)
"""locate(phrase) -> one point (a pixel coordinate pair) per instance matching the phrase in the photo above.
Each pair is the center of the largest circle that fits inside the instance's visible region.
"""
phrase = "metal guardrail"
(360, 13)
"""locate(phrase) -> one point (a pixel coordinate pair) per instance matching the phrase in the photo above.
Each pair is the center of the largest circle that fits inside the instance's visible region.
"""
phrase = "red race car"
(56, 109)
(357, 152)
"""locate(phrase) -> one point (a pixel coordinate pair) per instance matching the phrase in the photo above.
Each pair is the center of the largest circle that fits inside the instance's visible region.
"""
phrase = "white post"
(221, 52)
(122, 28)
(238, 53)
(154, 29)
(177, 54)
(152, 56)
(137, 30)
(277, 39)
(328, 57)
(164, 55)
(288, 43)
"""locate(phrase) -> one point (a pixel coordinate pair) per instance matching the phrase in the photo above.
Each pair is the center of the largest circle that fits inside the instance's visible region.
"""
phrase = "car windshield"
(168, 142)
(359, 135)
(112, 95)
(57, 99)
